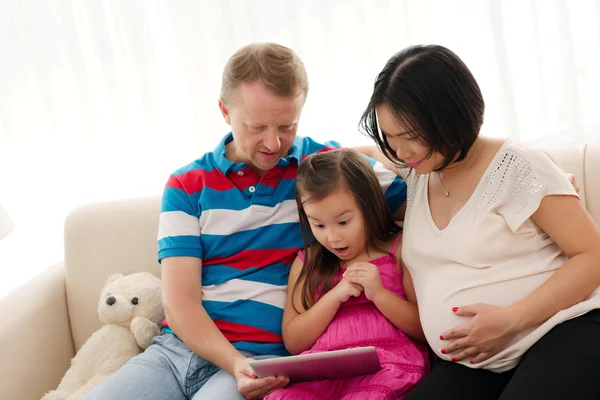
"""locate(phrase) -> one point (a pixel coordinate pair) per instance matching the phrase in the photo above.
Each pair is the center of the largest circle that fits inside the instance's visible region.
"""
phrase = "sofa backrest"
(100, 240)
(106, 238)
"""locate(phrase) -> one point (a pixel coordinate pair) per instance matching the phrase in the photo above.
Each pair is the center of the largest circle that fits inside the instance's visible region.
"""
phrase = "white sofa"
(45, 322)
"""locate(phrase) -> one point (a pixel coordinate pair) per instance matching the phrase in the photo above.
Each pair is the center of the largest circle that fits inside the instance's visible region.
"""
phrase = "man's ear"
(224, 111)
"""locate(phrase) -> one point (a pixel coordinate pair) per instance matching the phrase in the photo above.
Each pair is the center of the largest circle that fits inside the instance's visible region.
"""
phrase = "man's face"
(264, 125)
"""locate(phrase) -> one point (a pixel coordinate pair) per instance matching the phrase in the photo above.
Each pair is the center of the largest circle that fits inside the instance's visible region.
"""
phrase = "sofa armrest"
(36, 346)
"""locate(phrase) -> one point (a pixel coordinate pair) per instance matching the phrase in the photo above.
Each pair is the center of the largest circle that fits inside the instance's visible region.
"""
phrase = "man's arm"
(570, 176)
(376, 154)
(396, 198)
(182, 300)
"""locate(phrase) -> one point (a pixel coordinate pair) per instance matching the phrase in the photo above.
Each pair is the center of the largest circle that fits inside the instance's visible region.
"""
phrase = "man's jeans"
(168, 369)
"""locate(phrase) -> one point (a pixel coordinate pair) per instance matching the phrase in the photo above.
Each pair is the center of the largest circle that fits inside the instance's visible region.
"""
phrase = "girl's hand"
(366, 275)
(344, 290)
(490, 330)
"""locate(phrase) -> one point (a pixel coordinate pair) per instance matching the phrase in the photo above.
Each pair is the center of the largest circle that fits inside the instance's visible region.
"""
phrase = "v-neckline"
(471, 197)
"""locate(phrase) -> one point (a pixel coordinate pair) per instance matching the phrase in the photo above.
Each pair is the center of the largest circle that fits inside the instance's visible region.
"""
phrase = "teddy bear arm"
(144, 330)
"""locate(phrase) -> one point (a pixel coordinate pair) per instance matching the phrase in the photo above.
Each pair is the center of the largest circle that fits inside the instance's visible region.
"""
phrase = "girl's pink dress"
(359, 323)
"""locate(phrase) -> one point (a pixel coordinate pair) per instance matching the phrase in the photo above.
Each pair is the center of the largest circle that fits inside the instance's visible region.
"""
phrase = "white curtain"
(103, 99)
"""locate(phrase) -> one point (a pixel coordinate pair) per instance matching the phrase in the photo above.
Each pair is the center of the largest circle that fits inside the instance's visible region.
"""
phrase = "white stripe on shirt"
(227, 222)
(239, 289)
(384, 175)
(177, 223)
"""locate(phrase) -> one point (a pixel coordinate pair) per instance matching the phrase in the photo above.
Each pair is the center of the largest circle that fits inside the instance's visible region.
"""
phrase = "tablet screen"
(317, 366)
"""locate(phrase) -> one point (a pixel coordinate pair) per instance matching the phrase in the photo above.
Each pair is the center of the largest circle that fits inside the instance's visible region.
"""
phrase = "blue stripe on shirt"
(278, 236)
(246, 312)
(274, 274)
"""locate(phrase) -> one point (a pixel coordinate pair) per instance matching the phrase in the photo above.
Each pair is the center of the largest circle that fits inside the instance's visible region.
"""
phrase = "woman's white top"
(491, 252)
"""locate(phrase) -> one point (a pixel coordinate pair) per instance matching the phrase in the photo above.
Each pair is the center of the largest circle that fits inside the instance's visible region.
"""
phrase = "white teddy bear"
(130, 310)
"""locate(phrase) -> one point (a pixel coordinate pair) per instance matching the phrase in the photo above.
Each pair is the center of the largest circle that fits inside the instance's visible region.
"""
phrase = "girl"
(346, 290)
(504, 256)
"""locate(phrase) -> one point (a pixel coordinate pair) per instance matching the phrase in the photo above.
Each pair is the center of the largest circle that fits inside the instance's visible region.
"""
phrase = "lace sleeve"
(525, 175)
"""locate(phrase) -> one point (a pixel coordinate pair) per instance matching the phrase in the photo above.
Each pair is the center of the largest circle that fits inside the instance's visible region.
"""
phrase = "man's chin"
(265, 165)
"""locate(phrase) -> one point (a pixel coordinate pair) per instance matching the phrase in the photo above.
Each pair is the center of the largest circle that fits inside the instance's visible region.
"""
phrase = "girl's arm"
(404, 314)
(301, 330)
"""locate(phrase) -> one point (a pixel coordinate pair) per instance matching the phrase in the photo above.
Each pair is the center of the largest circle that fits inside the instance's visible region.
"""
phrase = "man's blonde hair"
(277, 67)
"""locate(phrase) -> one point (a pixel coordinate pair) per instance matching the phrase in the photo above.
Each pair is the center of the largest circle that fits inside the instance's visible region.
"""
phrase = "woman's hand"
(366, 275)
(573, 181)
(490, 330)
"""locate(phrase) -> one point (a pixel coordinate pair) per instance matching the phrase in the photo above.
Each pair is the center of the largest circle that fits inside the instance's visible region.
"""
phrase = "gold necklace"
(447, 191)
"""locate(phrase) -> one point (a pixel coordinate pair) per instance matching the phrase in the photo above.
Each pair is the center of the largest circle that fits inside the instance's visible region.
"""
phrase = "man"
(228, 234)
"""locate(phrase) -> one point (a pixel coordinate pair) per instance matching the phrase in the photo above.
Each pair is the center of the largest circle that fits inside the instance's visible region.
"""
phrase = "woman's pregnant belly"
(437, 294)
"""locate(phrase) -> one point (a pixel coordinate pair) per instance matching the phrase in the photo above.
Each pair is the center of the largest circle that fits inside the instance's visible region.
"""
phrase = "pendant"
(446, 194)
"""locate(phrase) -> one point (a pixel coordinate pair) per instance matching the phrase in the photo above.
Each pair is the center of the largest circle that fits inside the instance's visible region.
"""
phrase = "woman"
(504, 257)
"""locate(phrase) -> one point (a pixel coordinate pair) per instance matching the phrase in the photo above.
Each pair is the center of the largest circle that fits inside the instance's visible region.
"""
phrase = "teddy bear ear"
(112, 278)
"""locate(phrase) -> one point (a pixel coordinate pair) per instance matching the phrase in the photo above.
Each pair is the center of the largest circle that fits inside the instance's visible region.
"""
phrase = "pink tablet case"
(327, 365)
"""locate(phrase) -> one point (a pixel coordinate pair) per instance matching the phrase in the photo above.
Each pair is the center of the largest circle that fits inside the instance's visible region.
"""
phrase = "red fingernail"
(472, 362)
(454, 309)
(443, 351)
(453, 359)
(441, 337)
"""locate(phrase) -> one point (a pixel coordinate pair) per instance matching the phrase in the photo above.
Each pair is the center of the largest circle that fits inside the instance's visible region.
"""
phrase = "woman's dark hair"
(318, 176)
(434, 96)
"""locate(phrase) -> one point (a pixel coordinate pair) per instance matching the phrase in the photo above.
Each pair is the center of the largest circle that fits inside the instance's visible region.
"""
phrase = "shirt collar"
(224, 165)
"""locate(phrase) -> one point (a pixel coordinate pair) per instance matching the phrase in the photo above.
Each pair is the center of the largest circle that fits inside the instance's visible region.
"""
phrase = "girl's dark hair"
(434, 96)
(318, 176)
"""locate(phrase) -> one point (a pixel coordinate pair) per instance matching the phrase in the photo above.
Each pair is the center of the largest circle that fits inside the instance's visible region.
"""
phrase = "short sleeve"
(179, 223)
(523, 176)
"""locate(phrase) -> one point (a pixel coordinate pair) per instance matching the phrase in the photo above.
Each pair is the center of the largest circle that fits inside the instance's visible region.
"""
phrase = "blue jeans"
(168, 369)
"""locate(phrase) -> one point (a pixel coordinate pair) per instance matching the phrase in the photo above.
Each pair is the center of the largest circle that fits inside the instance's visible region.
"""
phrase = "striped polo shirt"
(246, 230)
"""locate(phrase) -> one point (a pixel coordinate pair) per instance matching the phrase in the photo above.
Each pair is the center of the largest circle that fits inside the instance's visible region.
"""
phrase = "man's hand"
(252, 387)
(573, 181)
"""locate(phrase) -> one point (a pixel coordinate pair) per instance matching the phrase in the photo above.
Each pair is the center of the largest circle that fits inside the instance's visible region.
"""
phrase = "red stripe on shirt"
(254, 258)
(243, 333)
(323, 150)
(195, 180)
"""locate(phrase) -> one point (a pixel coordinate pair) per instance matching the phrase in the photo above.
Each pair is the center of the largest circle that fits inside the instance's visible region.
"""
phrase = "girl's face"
(405, 145)
(337, 223)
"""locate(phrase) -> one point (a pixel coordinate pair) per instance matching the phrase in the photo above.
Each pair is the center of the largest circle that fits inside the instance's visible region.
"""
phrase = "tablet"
(326, 365)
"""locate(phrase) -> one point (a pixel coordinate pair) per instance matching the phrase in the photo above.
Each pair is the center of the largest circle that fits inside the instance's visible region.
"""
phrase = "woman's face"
(406, 144)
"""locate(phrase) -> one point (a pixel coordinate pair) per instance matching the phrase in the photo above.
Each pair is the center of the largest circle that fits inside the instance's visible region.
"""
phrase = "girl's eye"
(344, 222)
(320, 226)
